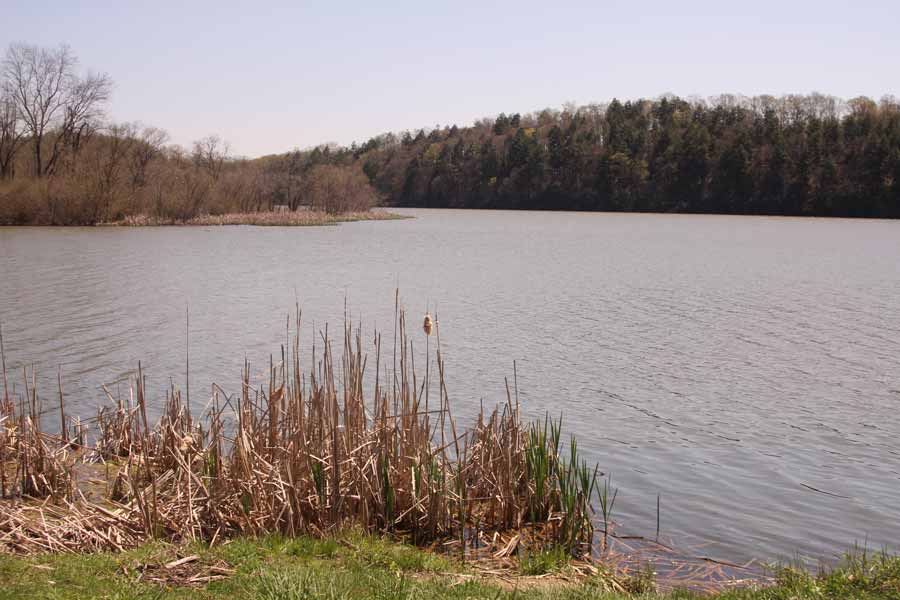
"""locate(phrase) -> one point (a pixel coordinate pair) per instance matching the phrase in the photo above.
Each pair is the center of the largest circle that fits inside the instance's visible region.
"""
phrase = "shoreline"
(360, 565)
(292, 470)
(298, 218)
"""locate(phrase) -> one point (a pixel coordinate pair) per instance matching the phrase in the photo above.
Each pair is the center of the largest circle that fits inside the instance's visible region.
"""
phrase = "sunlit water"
(727, 364)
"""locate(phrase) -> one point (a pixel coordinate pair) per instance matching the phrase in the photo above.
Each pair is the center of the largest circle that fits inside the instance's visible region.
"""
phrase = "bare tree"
(106, 164)
(335, 189)
(148, 147)
(284, 177)
(57, 107)
(83, 112)
(12, 134)
(175, 189)
(210, 154)
(245, 188)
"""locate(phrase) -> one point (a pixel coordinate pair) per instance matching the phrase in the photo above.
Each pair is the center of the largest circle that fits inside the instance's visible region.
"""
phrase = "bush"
(335, 189)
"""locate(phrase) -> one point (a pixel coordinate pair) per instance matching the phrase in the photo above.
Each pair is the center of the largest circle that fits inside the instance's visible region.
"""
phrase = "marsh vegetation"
(314, 453)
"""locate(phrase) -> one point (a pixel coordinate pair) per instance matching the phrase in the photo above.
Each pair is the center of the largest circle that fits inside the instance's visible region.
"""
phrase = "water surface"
(744, 369)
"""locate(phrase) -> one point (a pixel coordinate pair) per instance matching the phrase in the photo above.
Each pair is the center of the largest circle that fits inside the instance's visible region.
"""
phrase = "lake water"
(744, 369)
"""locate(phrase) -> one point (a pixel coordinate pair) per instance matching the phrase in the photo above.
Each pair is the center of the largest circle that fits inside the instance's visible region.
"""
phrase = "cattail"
(186, 443)
(428, 324)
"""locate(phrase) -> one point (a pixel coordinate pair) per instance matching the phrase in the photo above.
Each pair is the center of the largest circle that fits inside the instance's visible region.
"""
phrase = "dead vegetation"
(296, 218)
(187, 571)
(304, 454)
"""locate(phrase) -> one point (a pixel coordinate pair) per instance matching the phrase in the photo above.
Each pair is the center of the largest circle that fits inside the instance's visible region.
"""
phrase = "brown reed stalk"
(3, 366)
(311, 455)
(63, 429)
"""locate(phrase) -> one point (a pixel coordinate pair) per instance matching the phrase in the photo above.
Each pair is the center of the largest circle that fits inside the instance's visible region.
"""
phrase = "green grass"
(358, 566)
(545, 560)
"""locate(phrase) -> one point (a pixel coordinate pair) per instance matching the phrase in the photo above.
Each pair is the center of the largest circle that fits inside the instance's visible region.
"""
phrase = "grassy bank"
(359, 566)
(299, 218)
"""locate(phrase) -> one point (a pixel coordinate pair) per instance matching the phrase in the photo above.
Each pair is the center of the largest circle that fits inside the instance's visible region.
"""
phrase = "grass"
(367, 567)
(543, 561)
(297, 218)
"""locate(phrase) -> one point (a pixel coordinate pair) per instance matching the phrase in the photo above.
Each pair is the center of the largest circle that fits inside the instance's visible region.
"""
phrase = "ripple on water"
(726, 364)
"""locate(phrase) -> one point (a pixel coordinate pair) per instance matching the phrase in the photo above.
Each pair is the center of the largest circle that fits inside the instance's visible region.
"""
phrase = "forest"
(62, 162)
(805, 155)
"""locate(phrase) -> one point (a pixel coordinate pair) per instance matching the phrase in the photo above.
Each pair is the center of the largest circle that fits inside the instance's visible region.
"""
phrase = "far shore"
(298, 218)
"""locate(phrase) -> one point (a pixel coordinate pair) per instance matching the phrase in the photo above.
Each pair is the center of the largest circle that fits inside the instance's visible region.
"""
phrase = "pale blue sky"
(272, 75)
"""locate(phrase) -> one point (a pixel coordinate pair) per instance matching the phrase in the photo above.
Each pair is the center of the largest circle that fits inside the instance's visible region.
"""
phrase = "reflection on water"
(743, 369)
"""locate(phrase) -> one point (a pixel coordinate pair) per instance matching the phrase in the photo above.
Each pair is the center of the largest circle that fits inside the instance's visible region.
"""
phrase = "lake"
(746, 370)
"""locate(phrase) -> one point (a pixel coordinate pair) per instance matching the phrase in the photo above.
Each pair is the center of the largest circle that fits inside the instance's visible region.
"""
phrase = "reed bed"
(304, 453)
(295, 218)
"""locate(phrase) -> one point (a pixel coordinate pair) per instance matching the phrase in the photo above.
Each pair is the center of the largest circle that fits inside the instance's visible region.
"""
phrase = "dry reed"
(295, 218)
(298, 455)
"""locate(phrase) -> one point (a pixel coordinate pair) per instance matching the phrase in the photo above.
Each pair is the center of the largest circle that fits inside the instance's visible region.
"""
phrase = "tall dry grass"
(313, 452)
(296, 218)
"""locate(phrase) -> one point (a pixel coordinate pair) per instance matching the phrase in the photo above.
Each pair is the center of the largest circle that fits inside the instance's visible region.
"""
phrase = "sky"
(272, 76)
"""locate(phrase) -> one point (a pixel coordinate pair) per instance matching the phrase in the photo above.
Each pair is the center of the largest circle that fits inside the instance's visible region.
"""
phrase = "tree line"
(792, 155)
(63, 162)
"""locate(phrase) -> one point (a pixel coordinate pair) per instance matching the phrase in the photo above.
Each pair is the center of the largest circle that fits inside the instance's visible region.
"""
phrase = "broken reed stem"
(657, 517)
(187, 356)
(3, 361)
(64, 431)
(313, 457)
(6, 414)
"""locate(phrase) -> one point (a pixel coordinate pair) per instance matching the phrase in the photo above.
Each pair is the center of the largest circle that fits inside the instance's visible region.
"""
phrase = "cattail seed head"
(186, 443)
